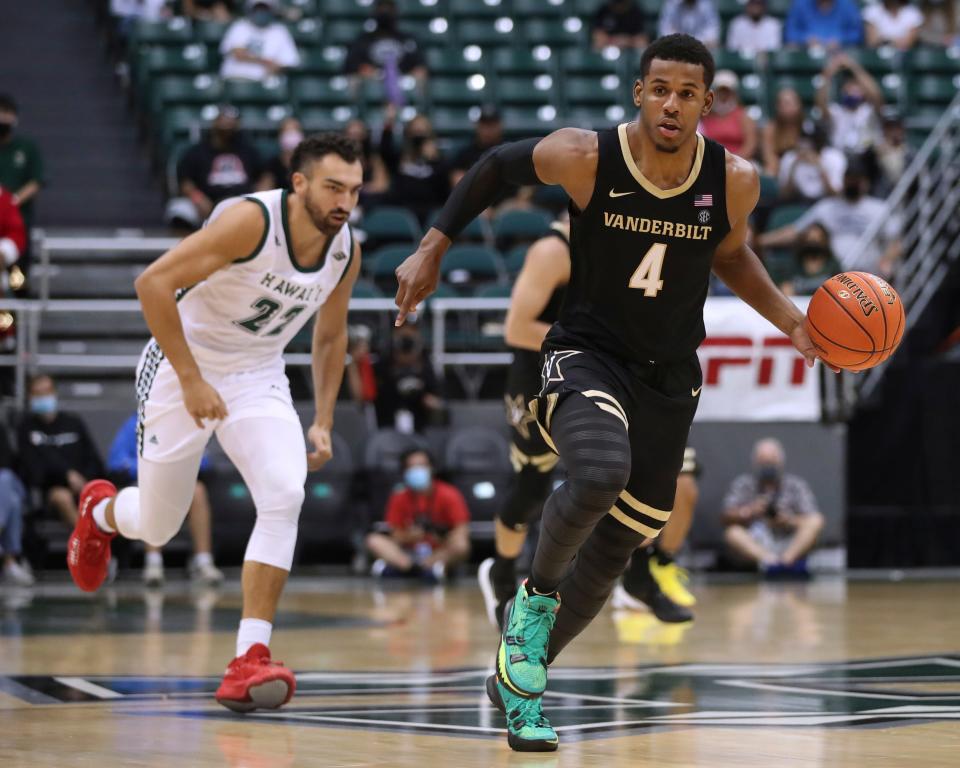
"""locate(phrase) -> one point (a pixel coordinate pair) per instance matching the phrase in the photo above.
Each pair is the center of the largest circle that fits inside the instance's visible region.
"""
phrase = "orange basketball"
(855, 320)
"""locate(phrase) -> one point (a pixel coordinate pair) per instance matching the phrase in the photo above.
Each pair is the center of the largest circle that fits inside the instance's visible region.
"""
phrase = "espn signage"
(751, 371)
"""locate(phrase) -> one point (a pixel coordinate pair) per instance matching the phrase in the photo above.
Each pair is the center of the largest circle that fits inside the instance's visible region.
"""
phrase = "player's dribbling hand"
(202, 401)
(801, 340)
(417, 278)
(323, 448)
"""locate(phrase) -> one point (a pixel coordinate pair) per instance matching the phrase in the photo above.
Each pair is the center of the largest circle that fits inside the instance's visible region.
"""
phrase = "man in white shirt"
(853, 119)
(257, 46)
(892, 22)
(813, 170)
(754, 31)
(846, 217)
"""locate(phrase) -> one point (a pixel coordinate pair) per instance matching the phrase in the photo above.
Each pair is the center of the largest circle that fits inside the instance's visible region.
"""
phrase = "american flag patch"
(702, 201)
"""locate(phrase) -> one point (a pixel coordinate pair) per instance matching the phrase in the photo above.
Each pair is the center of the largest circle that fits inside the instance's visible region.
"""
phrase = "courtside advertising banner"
(751, 371)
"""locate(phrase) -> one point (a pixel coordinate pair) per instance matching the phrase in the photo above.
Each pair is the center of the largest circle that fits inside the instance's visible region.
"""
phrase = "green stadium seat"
(513, 259)
(925, 60)
(487, 32)
(382, 262)
(751, 90)
(452, 122)
(422, 10)
(521, 61)
(494, 291)
(182, 123)
(785, 214)
(769, 187)
(515, 226)
(273, 90)
(727, 59)
(471, 264)
(933, 89)
(463, 91)
(264, 119)
(596, 90)
(172, 90)
(796, 61)
(527, 91)
(327, 91)
(171, 32)
(342, 32)
(191, 59)
(455, 62)
(364, 289)
(727, 9)
(325, 60)
(390, 224)
(547, 9)
(523, 122)
(571, 31)
(477, 230)
(877, 61)
(330, 118)
(307, 32)
(779, 8)
(595, 117)
(209, 31)
(804, 87)
(583, 61)
(346, 9)
(479, 9)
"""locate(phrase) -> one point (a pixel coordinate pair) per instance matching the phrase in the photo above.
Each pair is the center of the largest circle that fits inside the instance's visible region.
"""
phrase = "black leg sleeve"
(595, 449)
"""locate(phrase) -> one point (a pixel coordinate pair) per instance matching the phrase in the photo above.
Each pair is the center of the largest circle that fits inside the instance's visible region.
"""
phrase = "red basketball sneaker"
(88, 550)
(253, 681)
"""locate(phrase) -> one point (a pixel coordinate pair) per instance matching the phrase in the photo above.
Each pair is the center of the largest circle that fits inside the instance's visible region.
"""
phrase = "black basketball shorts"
(656, 402)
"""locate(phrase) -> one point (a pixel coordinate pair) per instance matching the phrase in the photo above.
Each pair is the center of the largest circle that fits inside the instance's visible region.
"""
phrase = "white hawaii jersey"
(244, 315)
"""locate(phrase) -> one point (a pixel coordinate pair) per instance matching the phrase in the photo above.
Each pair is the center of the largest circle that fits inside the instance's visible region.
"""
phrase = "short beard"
(320, 219)
(668, 150)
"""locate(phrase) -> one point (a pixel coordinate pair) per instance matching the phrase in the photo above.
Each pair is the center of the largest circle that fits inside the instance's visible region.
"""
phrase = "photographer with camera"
(771, 517)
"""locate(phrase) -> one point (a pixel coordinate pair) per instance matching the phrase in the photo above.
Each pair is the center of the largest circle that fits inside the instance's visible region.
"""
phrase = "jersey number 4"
(647, 274)
(267, 309)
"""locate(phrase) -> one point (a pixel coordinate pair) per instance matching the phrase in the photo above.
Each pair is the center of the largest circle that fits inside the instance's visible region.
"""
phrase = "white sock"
(253, 631)
(100, 516)
(204, 558)
(153, 558)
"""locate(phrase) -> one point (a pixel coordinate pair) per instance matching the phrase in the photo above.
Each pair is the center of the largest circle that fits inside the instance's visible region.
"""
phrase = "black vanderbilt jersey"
(641, 257)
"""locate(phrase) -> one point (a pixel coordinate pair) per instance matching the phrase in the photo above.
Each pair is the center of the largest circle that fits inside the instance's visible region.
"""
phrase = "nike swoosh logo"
(621, 194)
(696, 391)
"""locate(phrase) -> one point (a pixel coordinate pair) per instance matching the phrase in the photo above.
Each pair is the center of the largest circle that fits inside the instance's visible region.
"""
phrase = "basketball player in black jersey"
(654, 208)
(534, 306)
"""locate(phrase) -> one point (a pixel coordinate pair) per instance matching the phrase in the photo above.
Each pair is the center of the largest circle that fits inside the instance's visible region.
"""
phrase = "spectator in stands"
(854, 119)
(814, 262)
(13, 501)
(13, 235)
(754, 31)
(846, 217)
(385, 46)
(209, 10)
(830, 24)
(359, 373)
(122, 471)
(21, 168)
(728, 122)
(892, 22)
(408, 391)
(940, 19)
(771, 517)
(127, 12)
(376, 180)
(426, 530)
(418, 175)
(618, 23)
(781, 134)
(893, 154)
(221, 165)
(289, 135)
(487, 133)
(692, 17)
(258, 45)
(813, 170)
(57, 454)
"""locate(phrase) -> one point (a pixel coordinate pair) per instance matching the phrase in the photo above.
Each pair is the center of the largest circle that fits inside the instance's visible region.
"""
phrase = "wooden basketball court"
(824, 674)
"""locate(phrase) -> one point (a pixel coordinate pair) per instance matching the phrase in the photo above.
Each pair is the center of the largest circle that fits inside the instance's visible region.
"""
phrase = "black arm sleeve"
(483, 183)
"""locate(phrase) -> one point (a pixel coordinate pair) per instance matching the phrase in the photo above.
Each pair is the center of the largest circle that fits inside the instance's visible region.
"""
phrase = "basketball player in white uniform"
(222, 305)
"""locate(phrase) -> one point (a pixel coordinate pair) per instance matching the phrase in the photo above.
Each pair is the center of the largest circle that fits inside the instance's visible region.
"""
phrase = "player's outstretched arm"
(329, 356)
(567, 157)
(234, 234)
(739, 267)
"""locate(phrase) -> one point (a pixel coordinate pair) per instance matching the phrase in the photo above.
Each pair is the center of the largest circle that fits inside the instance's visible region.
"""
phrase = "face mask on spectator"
(5, 130)
(290, 139)
(417, 478)
(262, 17)
(768, 474)
(851, 100)
(43, 405)
(851, 191)
(386, 20)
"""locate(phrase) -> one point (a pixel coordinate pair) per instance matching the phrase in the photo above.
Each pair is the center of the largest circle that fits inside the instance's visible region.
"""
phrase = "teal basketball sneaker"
(522, 655)
(527, 728)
